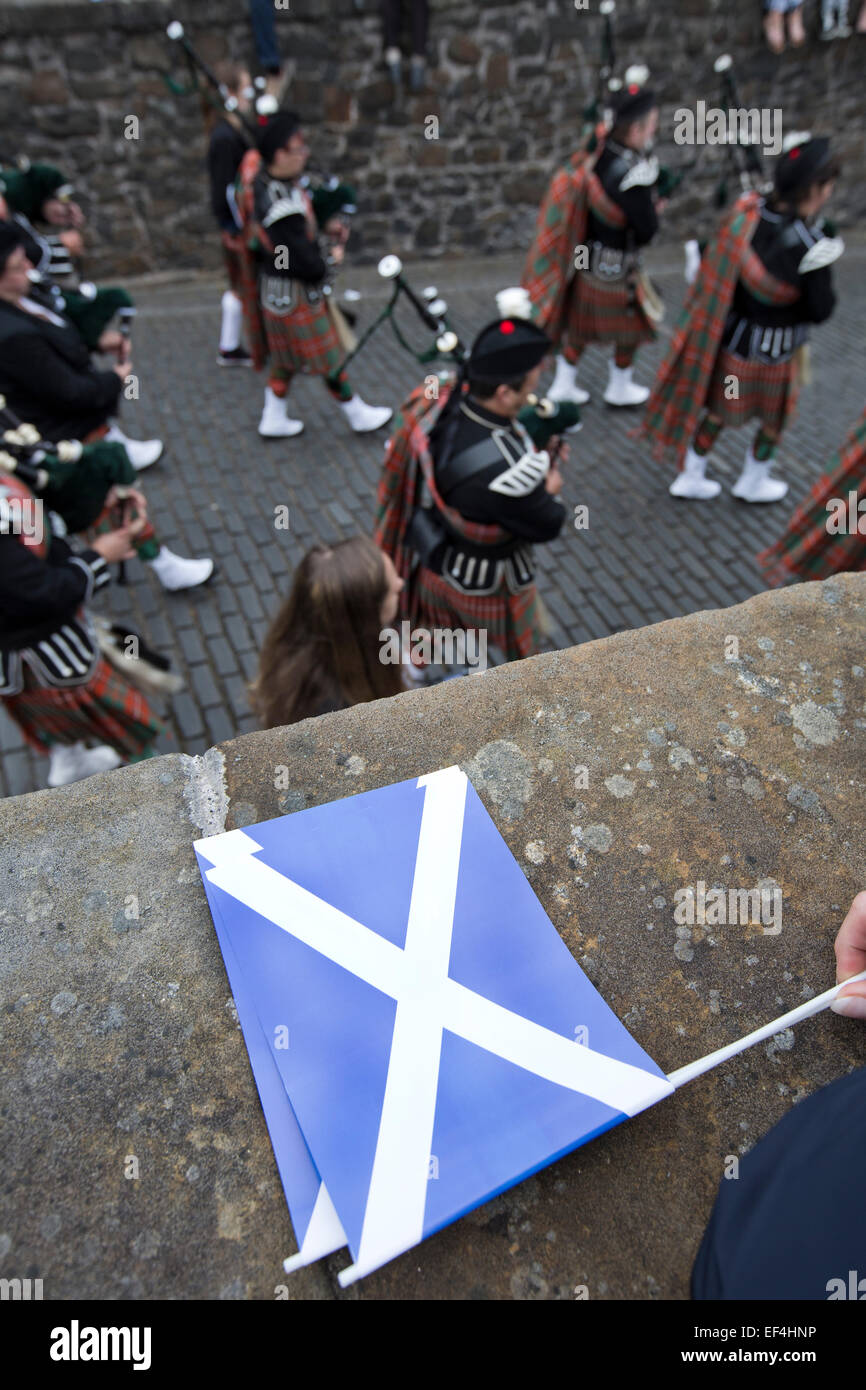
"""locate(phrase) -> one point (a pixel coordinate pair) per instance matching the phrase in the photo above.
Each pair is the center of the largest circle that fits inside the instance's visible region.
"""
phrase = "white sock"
(230, 331)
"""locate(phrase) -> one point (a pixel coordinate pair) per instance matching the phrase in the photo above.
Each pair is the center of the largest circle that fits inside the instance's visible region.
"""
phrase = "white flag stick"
(712, 1059)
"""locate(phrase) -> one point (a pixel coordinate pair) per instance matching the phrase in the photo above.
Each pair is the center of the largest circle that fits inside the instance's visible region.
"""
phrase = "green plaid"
(806, 549)
(512, 621)
(679, 394)
(548, 275)
(604, 313)
(105, 709)
(766, 391)
(303, 341)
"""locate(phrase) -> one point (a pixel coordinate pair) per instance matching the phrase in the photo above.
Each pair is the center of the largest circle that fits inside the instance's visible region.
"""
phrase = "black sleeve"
(222, 166)
(818, 296)
(27, 359)
(536, 517)
(37, 590)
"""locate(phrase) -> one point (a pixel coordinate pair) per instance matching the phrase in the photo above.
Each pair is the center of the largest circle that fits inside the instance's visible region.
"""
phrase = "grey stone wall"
(120, 1038)
(508, 81)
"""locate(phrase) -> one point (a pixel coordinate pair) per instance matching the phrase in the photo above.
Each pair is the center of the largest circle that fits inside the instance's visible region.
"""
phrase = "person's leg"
(420, 19)
(774, 24)
(362, 417)
(692, 481)
(265, 35)
(564, 386)
(391, 38)
(174, 572)
(621, 390)
(796, 31)
(276, 422)
(754, 483)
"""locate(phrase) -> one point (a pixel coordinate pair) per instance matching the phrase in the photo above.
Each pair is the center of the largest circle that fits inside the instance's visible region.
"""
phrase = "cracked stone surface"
(121, 1040)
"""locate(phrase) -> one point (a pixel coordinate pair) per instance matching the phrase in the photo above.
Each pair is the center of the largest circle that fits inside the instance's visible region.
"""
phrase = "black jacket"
(48, 379)
(225, 152)
(617, 165)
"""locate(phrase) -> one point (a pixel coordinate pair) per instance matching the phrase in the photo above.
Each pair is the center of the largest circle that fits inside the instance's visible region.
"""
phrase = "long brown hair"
(322, 649)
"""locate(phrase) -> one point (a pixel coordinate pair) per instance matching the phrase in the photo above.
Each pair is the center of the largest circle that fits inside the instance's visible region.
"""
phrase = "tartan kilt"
(303, 341)
(513, 621)
(767, 391)
(234, 264)
(104, 710)
(600, 312)
(807, 549)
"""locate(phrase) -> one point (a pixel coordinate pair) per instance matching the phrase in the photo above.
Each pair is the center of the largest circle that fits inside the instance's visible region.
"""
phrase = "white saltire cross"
(428, 1001)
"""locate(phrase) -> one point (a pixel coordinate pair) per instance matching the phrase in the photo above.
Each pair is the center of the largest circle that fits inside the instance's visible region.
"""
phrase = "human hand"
(337, 254)
(111, 341)
(73, 242)
(553, 481)
(117, 545)
(123, 369)
(850, 948)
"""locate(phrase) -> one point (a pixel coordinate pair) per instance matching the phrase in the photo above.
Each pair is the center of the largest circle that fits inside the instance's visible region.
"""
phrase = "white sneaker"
(142, 452)
(621, 390)
(174, 572)
(691, 482)
(276, 423)
(565, 387)
(69, 762)
(755, 484)
(363, 417)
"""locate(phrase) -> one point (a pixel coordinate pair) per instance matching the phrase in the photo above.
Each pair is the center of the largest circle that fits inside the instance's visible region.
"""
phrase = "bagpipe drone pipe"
(73, 479)
(543, 419)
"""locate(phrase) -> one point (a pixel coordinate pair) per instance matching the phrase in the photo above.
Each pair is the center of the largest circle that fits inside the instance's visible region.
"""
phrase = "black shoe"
(238, 357)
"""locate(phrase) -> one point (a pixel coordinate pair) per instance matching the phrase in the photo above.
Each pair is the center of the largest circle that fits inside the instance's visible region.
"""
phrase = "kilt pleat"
(105, 710)
(766, 391)
(512, 621)
(603, 313)
(807, 549)
(303, 341)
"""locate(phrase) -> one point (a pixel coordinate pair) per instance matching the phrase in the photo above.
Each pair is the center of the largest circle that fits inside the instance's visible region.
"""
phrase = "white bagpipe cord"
(712, 1059)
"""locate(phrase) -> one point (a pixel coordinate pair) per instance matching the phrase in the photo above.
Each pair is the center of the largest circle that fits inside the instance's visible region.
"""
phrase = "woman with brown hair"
(323, 650)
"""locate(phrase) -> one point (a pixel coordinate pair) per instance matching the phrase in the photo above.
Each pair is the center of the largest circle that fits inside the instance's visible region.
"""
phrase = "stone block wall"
(507, 83)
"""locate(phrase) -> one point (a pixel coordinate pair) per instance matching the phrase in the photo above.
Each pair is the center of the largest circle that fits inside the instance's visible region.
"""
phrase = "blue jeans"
(265, 34)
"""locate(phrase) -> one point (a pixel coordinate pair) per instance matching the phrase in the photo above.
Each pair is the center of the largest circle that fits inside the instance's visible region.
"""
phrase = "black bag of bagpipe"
(425, 533)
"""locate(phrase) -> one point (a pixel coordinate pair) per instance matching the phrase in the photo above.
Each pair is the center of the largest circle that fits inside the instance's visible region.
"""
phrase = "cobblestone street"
(645, 556)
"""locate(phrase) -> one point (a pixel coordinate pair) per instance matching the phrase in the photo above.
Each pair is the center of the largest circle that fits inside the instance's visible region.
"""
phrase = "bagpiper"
(583, 271)
(739, 349)
(465, 494)
(827, 532)
(228, 142)
(54, 682)
(292, 321)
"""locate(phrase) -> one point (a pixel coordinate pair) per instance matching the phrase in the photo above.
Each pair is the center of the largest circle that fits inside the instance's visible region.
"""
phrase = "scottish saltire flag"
(420, 1035)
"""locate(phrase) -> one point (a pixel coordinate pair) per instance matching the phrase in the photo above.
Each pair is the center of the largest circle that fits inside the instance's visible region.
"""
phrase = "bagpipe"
(543, 419)
(72, 478)
(221, 97)
(743, 159)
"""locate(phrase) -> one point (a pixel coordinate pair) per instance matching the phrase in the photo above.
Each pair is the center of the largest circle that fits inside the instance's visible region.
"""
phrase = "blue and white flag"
(420, 1035)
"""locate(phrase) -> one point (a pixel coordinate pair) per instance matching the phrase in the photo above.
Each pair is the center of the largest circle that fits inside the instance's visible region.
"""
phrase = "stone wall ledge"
(119, 1035)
